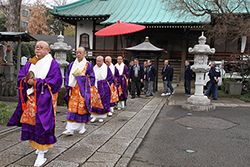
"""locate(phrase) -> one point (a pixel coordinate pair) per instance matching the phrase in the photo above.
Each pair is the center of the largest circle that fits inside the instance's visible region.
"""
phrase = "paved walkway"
(111, 143)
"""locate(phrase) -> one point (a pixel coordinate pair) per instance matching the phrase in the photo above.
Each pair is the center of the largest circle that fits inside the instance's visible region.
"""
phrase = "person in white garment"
(114, 86)
(39, 80)
(78, 79)
(123, 81)
(103, 80)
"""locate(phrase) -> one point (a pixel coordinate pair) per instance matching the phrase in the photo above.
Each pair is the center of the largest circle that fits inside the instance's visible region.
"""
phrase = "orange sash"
(30, 107)
(77, 102)
(29, 115)
(95, 99)
(126, 79)
(113, 93)
(120, 90)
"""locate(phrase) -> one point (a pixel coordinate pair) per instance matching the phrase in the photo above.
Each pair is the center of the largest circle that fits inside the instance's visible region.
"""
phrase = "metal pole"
(18, 54)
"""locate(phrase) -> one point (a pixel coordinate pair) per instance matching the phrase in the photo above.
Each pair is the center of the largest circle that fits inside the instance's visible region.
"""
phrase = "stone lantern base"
(198, 103)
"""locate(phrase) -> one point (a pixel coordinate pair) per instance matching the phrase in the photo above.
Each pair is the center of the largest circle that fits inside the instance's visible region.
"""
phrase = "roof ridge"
(70, 5)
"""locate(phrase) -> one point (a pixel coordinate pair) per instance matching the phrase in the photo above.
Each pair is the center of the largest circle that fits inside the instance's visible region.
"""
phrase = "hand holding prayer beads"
(29, 79)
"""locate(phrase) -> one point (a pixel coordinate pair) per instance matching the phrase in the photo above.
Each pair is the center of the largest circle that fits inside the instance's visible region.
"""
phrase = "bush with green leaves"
(6, 113)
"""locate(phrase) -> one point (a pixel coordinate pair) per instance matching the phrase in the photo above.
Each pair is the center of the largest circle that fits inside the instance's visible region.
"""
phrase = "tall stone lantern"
(60, 56)
(198, 101)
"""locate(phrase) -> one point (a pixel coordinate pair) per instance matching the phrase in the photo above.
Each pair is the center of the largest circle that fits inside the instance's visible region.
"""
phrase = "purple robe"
(104, 93)
(83, 83)
(43, 131)
(115, 80)
(123, 83)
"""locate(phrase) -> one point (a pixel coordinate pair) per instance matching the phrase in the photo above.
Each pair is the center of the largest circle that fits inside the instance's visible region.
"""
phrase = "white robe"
(112, 68)
(40, 69)
(120, 68)
(100, 72)
(80, 66)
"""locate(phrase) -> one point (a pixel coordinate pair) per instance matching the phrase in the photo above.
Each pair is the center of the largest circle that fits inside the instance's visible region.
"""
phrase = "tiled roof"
(130, 11)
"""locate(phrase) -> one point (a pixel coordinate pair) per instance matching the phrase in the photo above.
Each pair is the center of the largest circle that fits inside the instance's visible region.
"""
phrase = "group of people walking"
(145, 76)
(141, 76)
(92, 93)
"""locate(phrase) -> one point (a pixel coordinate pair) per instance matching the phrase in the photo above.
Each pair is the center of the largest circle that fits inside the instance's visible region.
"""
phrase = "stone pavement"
(111, 143)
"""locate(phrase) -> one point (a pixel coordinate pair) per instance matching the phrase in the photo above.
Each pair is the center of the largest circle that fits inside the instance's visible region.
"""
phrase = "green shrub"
(245, 97)
(61, 94)
(2, 104)
(6, 113)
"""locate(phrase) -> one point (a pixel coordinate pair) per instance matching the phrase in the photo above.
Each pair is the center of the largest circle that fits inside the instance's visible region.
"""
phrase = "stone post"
(60, 56)
(2, 55)
(198, 101)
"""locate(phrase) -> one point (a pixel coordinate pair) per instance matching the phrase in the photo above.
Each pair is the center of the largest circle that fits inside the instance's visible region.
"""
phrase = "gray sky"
(49, 3)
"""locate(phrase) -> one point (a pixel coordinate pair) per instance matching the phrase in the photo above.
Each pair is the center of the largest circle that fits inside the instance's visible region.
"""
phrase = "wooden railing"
(113, 54)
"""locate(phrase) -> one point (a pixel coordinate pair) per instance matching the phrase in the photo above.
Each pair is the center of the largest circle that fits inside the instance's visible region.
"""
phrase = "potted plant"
(238, 64)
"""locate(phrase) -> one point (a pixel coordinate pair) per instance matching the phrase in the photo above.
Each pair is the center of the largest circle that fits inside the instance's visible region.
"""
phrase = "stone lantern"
(198, 101)
(60, 56)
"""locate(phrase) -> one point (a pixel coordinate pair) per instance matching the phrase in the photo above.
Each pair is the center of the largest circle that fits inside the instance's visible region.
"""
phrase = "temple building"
(165, 29)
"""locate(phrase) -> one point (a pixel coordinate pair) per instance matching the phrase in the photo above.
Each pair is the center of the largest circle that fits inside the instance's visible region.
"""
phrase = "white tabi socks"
(122, 104)
(40, 160)
(83, 129)
(111, 111)
(119, 105)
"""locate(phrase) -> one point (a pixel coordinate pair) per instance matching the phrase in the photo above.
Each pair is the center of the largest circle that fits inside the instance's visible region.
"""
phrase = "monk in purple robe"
(38, 83)
(123, 81)
(78, 80)
(115, 77)
(103, 78)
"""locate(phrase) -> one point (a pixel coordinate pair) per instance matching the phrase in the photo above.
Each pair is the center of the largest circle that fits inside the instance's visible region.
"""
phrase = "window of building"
(24, 24)
(25, 12)
(84, 40)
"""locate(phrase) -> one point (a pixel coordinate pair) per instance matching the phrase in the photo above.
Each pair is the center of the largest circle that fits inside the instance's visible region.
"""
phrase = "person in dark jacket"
(214, 75)
(170, 78)
(136, 78)
(188, 77)
(145, 82)
(164, 75)
(131, 63)
(150, 77)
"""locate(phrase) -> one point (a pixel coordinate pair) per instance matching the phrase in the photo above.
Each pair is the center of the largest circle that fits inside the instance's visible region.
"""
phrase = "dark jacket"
(188, 73)
(167, 73)
(214, 72)
(150, 73)
(132, 73)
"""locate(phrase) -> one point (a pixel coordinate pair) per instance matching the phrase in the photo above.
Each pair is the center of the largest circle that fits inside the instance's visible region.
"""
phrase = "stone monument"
(60, 56)
(8, 84)
(198, 101)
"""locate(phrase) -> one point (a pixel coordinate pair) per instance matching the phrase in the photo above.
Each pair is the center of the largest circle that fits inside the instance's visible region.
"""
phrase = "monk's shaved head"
(108, 60)
(99, 61)
(43, 43)
(80, 53)
(82, 48)
(41, 49)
